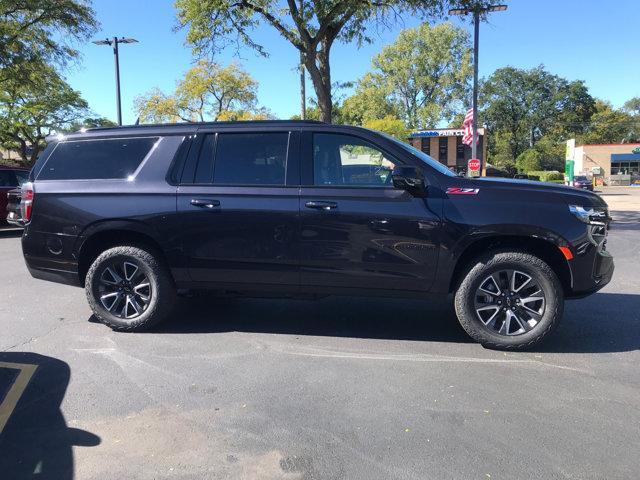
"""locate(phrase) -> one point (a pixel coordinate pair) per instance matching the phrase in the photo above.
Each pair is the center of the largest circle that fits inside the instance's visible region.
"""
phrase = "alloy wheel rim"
(124, 289)
(509, 302)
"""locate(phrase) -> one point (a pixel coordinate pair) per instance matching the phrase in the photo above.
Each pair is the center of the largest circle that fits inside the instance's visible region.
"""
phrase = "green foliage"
(312, 29)
(425, 73)
(390, 125)
(89, 122)
(529, 160)
(547, 176)
(609, 125)
(35, 32)
(632, 106)
(526, 105)
(369, 102)
(208, 91)
(33, 108)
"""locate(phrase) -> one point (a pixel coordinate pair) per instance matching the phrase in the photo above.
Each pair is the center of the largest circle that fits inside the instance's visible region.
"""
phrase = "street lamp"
(114, 42)
(476, 11)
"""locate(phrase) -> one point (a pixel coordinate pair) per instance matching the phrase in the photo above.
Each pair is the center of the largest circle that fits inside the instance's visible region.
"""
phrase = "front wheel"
(129, 288)
(509, 300)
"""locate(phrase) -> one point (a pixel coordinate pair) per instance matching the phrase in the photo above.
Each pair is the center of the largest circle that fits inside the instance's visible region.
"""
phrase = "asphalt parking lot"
(341, 388)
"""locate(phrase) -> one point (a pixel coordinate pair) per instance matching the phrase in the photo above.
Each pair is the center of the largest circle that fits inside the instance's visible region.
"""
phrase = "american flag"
(467, 126)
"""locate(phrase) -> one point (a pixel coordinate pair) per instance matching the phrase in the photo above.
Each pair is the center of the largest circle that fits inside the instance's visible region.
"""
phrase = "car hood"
(569, 194)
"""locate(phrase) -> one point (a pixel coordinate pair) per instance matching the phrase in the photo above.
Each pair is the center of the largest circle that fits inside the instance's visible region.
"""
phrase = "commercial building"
(612, 164)
(445, 145)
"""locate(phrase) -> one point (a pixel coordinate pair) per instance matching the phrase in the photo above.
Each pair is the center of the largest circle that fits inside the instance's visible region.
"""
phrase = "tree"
(528, 104)
(390, 125)
(35, 32)
(529, 161)
(369, 102)
(207, 91)
(35, 107)
(425, 73)
(609, 125)
(311, 26)
(632, 106)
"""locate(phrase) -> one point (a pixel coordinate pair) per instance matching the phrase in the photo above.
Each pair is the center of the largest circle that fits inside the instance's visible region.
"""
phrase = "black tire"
(472, 293)
(161, 291)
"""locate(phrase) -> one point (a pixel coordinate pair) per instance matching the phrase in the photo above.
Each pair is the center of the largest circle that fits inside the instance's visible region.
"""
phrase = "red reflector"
(566, 251)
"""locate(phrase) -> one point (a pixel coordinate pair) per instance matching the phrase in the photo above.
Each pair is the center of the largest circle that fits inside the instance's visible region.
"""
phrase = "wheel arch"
(107, 235)
(544, 249)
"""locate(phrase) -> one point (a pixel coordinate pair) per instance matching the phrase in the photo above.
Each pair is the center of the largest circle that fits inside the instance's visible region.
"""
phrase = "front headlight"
(590, 215)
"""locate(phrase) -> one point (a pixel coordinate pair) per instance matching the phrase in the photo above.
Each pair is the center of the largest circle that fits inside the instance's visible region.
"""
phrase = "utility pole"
(477, 12)
(303, 93)
(114, 42)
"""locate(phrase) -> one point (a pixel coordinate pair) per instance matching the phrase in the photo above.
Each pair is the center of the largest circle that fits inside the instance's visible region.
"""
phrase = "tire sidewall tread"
(496, 260)
(163, 288)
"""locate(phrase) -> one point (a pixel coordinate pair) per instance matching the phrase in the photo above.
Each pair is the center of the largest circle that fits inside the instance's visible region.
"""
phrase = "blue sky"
(587, 40)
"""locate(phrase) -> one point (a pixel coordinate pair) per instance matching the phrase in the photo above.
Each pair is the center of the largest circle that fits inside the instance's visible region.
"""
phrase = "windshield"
(580, 179)
(433, 163)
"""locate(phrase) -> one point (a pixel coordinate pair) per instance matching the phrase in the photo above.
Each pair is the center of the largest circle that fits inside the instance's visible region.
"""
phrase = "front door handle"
(318, 205)
(205, 203)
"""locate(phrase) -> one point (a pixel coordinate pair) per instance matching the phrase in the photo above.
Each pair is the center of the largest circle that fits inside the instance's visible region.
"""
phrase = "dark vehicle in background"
(285, 208)
(10, 178)
(13, 207)
(583, 182)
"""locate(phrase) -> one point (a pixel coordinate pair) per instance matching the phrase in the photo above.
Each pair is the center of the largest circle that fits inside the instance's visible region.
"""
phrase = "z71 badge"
(462, 191)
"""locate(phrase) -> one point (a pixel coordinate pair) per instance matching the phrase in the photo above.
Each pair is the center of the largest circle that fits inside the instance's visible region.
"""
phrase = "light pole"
(114, 42)
(477, 12)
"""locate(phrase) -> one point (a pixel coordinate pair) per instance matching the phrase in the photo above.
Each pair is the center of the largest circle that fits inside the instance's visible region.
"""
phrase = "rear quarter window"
(113, 158)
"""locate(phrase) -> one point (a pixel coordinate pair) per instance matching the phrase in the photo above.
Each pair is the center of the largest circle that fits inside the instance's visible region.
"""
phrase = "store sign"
(636, 150)
(439, 133)
(571, 149)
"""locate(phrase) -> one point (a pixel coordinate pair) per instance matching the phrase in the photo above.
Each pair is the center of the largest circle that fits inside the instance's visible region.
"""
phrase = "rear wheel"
(509, 300)
(129, 288)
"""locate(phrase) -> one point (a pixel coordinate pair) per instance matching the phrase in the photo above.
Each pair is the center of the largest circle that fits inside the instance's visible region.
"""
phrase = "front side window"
(345, 160)
(114, 158)
(250, 158)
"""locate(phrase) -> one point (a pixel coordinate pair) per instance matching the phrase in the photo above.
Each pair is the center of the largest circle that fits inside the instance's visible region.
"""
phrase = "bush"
(548, 176)
(528, 161)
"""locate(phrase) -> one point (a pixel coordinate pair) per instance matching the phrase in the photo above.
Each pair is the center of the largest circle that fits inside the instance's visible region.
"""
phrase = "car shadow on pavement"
(601, 323)
(604, 322)
(35, 441)
(357, 317)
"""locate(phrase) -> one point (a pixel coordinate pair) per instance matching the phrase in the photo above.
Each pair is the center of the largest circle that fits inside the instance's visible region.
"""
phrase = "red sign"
(474, 165)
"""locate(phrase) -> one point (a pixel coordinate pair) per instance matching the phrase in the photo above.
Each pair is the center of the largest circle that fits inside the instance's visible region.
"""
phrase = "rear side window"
(96, 159)
(250, 158)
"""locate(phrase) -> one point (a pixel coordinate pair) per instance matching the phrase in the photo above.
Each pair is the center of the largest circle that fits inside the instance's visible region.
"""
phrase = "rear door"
(238, 201)
(357, 230)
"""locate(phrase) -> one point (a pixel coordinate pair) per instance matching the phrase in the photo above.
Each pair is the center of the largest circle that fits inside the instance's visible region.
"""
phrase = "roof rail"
(198, 124)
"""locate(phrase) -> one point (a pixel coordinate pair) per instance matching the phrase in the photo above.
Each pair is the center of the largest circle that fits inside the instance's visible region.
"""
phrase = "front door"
(357, 230)
(239, 216)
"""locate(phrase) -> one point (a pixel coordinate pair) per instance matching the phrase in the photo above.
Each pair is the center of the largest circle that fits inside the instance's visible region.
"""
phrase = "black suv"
(134, 214)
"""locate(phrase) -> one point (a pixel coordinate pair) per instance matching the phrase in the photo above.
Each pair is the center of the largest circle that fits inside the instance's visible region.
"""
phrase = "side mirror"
(410, 179)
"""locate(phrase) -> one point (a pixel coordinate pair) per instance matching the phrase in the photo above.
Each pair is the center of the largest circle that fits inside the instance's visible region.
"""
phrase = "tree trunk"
(320, 74)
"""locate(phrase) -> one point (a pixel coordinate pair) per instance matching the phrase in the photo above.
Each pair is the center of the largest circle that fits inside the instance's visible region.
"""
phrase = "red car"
(10, 178)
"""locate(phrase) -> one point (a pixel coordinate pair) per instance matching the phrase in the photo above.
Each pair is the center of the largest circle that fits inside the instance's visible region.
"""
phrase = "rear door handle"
(318, 205)
(205, 203)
